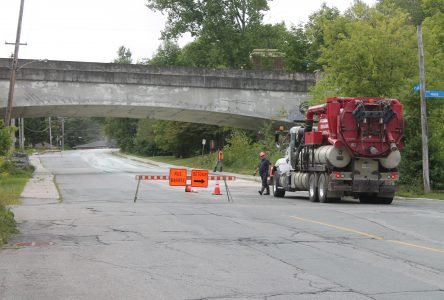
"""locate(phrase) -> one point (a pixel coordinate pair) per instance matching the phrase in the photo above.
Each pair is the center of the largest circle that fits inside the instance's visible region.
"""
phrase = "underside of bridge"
(235, 98)
(159, 113)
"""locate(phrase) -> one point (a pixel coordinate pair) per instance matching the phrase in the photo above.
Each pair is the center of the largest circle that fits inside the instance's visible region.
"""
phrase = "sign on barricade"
(179, 177)
(199, 178)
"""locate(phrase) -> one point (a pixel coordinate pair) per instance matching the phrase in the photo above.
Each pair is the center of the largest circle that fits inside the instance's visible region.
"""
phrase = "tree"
(314, 31)
(210, 17)
(167, 54)
(123, 130)
(5, 138)
(222, 29)
(123, 56)
(418, 10)
(296, 48)
(81, 131)
(185, 139)
(367, 53)
(36, 131)
(144, 141)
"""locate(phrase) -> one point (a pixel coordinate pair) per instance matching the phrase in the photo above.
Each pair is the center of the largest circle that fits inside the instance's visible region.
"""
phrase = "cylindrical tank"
(338, 157)
(392, 160)
(300, 181)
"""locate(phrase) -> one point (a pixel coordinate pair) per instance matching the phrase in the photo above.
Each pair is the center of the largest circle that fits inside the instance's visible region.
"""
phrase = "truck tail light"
(394, 176)
(338, 175)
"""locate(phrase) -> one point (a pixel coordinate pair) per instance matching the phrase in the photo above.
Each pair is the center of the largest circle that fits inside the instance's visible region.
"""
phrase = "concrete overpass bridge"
(236, 98)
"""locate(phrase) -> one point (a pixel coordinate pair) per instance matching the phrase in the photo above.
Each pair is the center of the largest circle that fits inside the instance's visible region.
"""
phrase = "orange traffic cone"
(188, 189)
(217, 190)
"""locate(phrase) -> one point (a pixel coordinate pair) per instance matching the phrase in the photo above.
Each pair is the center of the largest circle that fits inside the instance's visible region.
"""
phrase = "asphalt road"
(99, 244)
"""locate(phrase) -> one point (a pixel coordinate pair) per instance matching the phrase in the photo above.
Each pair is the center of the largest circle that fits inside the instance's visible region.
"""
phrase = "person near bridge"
(219, 160)
(263, 168)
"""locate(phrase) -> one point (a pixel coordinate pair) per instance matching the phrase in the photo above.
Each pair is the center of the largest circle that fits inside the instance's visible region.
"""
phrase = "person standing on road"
(263, 168)
(220, 158)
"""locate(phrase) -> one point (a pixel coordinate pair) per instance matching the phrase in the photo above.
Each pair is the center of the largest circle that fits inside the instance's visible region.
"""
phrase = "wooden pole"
(424, 130)
(8, 112)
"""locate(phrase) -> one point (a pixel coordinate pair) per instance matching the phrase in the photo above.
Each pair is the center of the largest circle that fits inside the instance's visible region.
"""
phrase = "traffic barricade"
(179, 177)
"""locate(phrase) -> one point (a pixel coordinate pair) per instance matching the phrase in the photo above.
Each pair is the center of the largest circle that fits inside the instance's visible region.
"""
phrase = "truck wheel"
(367, 198)
(278, 191)
(323, 188)
(385, 198)
(312, 190)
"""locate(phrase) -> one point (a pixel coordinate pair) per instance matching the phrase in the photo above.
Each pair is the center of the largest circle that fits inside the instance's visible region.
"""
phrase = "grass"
(7, 224)
(11, 186)
(207, 161)
(405, 191)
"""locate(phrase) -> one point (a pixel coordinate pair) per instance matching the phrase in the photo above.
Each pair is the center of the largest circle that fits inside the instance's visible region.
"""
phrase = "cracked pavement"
(99, 244)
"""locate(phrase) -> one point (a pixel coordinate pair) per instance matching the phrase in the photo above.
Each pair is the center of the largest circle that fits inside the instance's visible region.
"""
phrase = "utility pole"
(8, 112)
(424, 130)
(21, 123)
(50, 132)
(22, 145)
(63, 133)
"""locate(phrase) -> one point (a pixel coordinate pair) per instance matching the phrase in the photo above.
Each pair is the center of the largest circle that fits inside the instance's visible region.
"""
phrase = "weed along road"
(97, 243)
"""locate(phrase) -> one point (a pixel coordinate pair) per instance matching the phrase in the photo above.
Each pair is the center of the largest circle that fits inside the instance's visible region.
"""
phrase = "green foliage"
(167, 54)
(418, 10)
(144, 143)
(314, 31)
(77, 131)
(225, 31)
(184, 139)
(124, 56)
(123, 130)
(367, 53)
(7, 224)
(5, 138)
(81, 131)
(241, 154)
(36, 130)
(212, 18)
(297, 51)
(12, 182)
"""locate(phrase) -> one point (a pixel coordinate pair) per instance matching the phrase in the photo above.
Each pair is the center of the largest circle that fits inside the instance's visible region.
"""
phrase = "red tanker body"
(348, 147)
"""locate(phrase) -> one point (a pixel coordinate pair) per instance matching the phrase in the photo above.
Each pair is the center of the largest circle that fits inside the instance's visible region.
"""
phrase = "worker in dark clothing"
(263, 168)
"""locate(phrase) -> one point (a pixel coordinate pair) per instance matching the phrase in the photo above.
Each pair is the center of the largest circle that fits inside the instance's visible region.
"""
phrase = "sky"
(93, 30)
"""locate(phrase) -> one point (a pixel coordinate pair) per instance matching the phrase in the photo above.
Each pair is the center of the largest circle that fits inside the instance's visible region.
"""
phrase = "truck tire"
(278, 191)
(367, 198)
(323, 188)
(312, 188)
(385, 198)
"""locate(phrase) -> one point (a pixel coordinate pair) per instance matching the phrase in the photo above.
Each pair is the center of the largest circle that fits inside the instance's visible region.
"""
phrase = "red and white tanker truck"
(348, 147)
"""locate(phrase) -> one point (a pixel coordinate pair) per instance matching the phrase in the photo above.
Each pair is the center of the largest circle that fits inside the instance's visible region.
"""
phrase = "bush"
(5, 138)
(7, 224)
(9, 167)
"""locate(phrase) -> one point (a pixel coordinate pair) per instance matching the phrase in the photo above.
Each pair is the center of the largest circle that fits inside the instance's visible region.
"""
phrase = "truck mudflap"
(363, 186)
